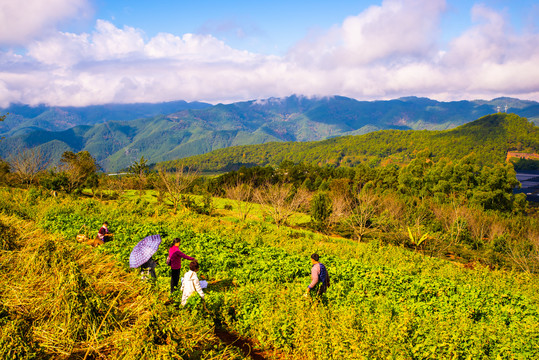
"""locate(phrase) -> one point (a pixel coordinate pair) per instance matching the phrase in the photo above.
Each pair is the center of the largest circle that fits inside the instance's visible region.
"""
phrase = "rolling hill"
(117, 143)
(487, 139)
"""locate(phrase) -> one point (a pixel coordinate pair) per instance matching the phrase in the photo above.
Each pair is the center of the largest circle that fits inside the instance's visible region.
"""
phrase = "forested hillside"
(488, 139)
(116, 139)
(22, 119)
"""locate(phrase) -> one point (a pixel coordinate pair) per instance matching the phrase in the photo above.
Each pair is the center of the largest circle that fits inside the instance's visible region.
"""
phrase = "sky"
(88, 52)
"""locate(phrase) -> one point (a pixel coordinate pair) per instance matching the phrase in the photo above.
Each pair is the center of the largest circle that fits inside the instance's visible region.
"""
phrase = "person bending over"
(191, 283)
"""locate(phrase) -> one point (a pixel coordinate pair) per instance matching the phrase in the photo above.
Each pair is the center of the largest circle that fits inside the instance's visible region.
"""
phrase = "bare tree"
(454, 223)
(341, 196)
(362, 208)
(523, 250)
(340, 206)
(280, 201)
(173, 185)
(242, 194)
(479, 224)
(458, 225)
(27, 164)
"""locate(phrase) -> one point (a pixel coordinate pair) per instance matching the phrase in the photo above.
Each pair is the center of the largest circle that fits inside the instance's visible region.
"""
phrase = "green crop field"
(61, 299)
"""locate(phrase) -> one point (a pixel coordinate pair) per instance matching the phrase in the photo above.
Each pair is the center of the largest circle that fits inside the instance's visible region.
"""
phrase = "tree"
(453, 220)
(80, 169)
(340, 195)
(140, 169)
(362, 209)
(411, 178)
(281, 200)
(27, 164)
(242, 194)
(172, 186)
(495, 188)
(321, 209)
(524, 251)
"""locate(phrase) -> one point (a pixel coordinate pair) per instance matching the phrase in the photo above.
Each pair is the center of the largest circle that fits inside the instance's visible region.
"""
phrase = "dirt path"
(247, 346)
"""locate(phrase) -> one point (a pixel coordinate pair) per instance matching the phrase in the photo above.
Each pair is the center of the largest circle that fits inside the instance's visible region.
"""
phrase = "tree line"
(463, 208)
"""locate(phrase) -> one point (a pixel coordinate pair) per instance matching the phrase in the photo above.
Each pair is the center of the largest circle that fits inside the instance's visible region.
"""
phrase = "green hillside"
(488, 139)
(22, 119)
(117, 143)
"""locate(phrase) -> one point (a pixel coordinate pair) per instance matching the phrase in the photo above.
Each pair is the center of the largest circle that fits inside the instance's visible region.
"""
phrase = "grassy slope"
(385, 302)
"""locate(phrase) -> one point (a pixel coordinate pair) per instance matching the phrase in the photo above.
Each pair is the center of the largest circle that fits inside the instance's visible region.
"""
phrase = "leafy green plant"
(416, 240)
(384, 301)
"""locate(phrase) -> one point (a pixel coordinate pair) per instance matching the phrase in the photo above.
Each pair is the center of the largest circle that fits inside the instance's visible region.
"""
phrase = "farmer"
(175, 262)
(191, 283)
(148, 269)
(104, 234)
(319, 277)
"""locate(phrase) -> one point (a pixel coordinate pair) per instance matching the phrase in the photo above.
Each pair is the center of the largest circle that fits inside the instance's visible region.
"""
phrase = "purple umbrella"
(144, 250)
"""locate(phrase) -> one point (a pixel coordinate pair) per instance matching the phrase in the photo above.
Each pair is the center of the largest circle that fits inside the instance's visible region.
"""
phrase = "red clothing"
(176, 257)
(102, 232)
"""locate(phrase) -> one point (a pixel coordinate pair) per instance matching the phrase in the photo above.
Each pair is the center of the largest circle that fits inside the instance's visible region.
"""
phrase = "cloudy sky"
(83, 52)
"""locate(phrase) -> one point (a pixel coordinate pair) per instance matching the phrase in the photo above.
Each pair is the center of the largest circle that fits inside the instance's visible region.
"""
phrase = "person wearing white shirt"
(191, 283)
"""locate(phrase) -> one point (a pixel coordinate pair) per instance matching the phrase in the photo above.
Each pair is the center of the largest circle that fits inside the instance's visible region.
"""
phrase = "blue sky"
(82, 52)
(274, 26)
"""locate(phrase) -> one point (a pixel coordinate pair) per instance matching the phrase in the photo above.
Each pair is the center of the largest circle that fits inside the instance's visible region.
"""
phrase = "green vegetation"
(117, 135)
(487, 139)
(384, 301)
(61, 300)
(431, 257)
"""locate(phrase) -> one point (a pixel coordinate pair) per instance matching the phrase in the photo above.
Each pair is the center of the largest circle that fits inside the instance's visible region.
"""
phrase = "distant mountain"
(187, 132)
(23, 118)
(486, 140)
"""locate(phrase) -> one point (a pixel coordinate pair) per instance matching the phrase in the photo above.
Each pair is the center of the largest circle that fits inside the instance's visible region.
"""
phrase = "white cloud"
(204, 48)
(384, 52)
(491, 58)
(23, 20)
(396, 28)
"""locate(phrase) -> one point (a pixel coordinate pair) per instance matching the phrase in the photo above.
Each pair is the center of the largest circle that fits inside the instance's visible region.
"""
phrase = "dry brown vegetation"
(62, 300)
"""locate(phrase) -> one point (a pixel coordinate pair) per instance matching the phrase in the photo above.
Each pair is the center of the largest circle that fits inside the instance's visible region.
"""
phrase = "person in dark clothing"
(319, 277)
(175, 262)
(148, 269)
(104, 233)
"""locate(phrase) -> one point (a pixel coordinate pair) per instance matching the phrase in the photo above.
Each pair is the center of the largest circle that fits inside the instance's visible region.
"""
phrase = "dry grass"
(62, 300)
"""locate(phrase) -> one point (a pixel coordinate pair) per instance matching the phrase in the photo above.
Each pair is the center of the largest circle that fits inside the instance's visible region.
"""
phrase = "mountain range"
(22, 119)
(117, 135)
